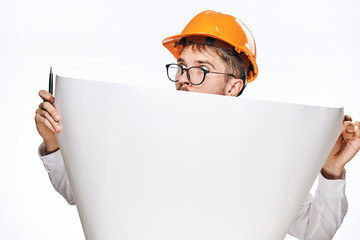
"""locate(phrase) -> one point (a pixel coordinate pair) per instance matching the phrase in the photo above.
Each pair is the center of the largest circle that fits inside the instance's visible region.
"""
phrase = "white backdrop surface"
(155, 168)
(307, 53)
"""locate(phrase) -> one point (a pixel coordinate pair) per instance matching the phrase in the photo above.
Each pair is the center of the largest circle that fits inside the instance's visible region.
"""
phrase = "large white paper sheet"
(158, 164)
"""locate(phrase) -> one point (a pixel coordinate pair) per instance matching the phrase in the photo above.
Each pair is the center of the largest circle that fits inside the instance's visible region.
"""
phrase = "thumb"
(337, 145)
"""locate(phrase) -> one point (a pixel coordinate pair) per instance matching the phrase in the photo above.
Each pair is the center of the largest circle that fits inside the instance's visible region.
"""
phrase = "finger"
(46, 96)
(56, 125)
(47, 106)
(41, 120)
(347, 118)
(346, 123)
(350, 127)
(358, 129)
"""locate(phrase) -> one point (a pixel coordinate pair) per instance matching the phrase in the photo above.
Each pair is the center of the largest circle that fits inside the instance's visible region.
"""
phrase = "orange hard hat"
(214, 26)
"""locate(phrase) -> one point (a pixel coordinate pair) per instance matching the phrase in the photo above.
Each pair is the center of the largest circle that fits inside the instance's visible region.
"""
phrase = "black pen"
(51, 82)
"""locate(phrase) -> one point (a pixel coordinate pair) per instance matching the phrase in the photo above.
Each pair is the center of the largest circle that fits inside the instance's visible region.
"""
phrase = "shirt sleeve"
(319, 217)
(55, 167)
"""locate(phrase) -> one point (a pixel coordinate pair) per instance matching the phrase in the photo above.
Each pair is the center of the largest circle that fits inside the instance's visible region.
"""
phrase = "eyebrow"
(205, 62)
(180, 60)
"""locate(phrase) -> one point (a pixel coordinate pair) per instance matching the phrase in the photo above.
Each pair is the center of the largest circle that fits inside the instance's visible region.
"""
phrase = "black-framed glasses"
(195, 75)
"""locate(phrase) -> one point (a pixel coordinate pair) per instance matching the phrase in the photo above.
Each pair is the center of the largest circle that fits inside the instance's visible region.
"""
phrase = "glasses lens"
(174, 72)
(196, 75)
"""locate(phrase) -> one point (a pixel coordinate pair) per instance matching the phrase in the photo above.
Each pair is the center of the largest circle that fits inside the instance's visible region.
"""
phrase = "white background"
(307, 53)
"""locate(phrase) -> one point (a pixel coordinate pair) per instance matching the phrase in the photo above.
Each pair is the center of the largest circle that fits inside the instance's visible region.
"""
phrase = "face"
(214, 83)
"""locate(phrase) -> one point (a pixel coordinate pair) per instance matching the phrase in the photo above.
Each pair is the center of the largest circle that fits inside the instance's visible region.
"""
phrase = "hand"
(346, 147)
(47, 121)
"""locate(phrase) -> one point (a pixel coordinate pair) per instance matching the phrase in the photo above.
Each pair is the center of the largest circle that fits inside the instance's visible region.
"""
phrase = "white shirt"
(319, 217)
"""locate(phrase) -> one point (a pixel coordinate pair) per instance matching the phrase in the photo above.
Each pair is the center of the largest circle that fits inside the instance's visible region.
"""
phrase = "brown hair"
(233, 64)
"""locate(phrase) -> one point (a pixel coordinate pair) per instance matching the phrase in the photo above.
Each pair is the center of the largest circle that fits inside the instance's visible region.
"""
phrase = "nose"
(183, 78)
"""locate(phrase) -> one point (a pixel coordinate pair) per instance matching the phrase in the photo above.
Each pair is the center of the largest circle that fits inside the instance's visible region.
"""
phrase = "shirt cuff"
(331, 188)
(51, 161)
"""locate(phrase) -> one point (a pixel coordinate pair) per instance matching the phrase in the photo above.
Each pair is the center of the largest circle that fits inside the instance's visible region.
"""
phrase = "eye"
(204, 68)
(182, 65)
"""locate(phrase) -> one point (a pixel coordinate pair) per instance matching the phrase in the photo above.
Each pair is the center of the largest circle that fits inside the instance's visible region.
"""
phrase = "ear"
(233, 87)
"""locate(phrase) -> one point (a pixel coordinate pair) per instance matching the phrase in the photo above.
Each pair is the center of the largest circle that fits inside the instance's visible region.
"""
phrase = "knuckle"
(44, 93)
(53, 112)
(39, 112)
(48, 117)
(38, 119)
(45, 104)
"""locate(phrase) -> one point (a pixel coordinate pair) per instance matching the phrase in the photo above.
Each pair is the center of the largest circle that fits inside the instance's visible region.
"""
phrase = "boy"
(216, 54)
